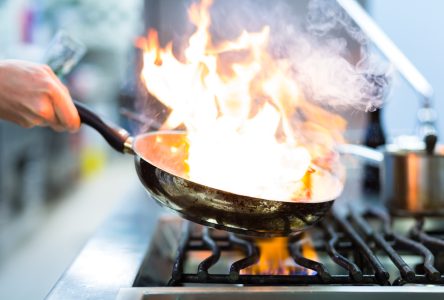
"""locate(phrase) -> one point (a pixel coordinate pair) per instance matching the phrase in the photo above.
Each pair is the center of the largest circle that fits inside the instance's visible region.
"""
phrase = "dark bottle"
(374, 137)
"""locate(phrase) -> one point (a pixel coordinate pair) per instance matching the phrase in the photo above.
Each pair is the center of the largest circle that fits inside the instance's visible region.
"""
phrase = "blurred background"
(55, 188)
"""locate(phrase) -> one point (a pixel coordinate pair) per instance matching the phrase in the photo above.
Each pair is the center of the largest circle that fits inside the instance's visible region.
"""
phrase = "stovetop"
(365, 253)
(359, 248)
(359, 253)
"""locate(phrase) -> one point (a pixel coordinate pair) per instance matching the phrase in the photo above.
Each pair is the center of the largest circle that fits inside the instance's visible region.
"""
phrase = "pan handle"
(369, 155)
(118, 138)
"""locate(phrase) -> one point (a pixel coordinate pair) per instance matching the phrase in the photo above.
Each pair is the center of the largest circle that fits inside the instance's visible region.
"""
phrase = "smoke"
(332, 59)
(363, 84)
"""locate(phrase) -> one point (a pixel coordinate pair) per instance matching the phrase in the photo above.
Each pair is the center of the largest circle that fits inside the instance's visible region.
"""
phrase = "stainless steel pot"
(412, 179)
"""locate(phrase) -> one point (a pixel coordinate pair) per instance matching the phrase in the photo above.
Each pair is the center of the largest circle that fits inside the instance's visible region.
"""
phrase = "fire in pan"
(159, 160)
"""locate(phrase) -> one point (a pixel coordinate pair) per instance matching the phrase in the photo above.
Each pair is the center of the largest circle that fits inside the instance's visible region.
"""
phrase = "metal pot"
(412, 179)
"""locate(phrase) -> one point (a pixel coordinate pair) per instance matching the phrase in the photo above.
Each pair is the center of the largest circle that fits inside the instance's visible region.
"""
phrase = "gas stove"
(358, 250)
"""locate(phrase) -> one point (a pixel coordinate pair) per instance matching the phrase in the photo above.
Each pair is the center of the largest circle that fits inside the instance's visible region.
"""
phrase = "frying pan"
(162, 172)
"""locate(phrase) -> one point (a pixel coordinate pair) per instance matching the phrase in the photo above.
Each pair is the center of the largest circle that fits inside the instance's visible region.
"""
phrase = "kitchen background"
(55, 188)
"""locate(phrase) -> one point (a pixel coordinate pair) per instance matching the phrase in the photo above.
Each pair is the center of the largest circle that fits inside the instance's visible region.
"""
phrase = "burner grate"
(354, 242)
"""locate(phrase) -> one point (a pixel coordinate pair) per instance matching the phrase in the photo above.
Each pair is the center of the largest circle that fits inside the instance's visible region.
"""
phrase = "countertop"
(111, 258)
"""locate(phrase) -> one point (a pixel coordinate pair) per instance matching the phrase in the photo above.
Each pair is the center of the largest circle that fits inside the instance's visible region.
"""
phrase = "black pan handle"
(118, 138)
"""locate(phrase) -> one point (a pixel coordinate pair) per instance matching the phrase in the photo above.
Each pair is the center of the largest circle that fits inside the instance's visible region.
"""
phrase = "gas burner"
(141, 253)
(355, 248)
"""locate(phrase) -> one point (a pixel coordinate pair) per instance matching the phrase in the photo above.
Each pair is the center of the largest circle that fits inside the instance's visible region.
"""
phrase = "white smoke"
(363, 84)
(332, 58)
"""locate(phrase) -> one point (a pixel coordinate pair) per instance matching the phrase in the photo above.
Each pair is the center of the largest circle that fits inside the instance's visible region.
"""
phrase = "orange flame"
(238, 104)
(275, 258)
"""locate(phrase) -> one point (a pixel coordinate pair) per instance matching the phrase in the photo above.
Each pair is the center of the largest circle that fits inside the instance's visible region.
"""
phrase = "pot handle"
(118, 138)
(369, 155)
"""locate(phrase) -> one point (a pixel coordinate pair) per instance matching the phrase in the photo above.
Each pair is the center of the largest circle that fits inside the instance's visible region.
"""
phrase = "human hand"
(32, 95)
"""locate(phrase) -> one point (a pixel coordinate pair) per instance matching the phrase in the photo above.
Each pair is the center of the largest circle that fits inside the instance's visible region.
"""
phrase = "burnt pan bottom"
(227, 211)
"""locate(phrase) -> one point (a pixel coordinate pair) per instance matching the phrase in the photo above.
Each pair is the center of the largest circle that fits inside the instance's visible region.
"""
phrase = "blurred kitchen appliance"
(21, 163)
(36, 165)
(414, 181)
(412, 178)
(373, 138)
(22, 185)
(426, 115)
(63, 53)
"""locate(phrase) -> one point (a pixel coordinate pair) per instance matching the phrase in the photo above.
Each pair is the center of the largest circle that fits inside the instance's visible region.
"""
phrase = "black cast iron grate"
(351, 241)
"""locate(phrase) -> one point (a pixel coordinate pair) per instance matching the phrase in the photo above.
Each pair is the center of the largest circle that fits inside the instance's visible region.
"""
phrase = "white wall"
(417, 27)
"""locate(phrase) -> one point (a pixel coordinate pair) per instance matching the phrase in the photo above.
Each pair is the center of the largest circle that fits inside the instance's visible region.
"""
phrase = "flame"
(275, 258)
(238, 102)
